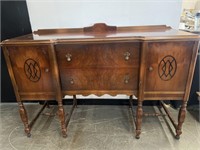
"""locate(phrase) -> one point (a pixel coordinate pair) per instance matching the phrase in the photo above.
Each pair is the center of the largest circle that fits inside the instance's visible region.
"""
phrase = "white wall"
(79, 13)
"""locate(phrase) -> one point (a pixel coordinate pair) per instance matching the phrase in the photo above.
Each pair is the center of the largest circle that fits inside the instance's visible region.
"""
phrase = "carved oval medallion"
(32, 70)
(167, 68)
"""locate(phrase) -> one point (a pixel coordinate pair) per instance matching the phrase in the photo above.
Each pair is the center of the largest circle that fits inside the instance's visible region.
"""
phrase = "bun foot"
(137, 137)
(177, 137)
(64, 135)
(138, 132)
(28, 135)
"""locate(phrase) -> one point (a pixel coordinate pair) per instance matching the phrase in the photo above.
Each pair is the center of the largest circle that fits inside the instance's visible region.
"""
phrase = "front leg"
(24, 118)
(181, 118)
(139, 113)
(61, 114)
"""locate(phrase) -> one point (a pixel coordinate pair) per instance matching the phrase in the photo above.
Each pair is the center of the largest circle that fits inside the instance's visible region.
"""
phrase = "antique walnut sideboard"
(149, 62)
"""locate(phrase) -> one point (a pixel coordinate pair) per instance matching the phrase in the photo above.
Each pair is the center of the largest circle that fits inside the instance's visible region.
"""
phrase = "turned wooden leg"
(24, 118)
(181, 118)
(139, 113)
(61, 115)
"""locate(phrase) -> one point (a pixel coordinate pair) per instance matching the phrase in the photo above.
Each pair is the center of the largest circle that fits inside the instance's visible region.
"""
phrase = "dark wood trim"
(182, 111)
(143, 28)
(99, 93)
(37, 96)
(55, 72)
(164, 92)
(120, 29)
(141, 85)
(97, 40)
(10, 70)
(142, 73)
(71, 110)
(57, 86)
(191, 70)
(168, 114)
(100, 28)
(38, 114)
(163, 97)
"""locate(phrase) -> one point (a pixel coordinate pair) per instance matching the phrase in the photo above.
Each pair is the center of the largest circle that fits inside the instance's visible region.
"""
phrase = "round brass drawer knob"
(71, 81)
(126, 79)
(127, 55)
(69, 57)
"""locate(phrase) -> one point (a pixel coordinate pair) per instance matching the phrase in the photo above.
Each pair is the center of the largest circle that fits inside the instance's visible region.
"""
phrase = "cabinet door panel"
(168, 66)
(31, 68)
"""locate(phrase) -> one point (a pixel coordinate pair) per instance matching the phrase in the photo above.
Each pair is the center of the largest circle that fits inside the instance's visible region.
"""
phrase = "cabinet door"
(32, 71)
(167, 69)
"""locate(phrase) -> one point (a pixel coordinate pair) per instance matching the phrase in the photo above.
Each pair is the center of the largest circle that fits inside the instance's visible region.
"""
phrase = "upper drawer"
(94, 55)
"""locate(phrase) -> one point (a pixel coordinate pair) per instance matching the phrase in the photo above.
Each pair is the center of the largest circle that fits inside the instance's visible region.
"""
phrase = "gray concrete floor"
(95, 128)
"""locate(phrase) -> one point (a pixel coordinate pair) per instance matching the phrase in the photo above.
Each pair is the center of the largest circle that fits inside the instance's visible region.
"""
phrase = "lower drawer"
(99, 79)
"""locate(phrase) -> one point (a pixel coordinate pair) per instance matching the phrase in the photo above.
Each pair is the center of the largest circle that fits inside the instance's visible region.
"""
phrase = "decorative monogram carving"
(167, 68)
(32, 70)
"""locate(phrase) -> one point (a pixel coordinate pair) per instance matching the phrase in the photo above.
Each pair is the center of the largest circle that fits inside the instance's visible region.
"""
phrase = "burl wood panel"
(31, 69)
(95, 55)
(103, 67)
(168, 67)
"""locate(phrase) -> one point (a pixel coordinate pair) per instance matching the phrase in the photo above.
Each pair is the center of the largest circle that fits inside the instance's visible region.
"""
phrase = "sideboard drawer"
(94, 55)
(96, 79)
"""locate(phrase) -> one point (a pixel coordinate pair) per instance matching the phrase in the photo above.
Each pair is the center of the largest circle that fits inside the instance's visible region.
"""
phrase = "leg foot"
(181, 118)
(28, 135)
(61, 115)
(137, 137)
(64, 135)
(24, 117)
(177, 137)
(138, 132)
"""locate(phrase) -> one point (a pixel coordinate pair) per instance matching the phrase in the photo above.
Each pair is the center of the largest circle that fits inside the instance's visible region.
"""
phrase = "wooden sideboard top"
(101, 32)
